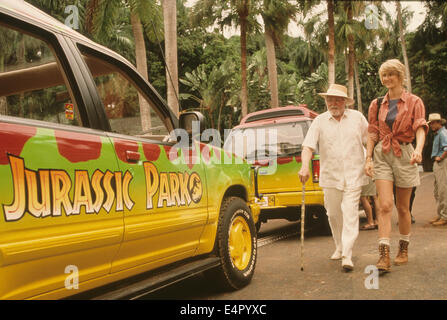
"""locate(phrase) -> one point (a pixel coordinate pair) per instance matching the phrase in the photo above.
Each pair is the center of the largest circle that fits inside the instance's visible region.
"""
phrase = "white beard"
(336, 112)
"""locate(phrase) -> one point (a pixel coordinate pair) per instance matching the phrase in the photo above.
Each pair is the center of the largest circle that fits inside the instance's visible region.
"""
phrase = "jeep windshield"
(268, 141)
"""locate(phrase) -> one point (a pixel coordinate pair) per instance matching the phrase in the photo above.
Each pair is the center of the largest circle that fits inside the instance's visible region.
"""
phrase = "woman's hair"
(393, 65)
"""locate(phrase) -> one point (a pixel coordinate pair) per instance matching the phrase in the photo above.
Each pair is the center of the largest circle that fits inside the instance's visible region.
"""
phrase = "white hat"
(338, 90)
(435, 117)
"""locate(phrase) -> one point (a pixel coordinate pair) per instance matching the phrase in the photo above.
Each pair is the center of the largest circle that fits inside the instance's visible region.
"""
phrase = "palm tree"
(331, 34)
(231, 13)
(214, 89)
(365, 41)
(258, 78)
(351, 59)
(170, 25)
(308, 53)
(389, 34)
(276, 15)
(403, 44)
(243, 10)
(348, 30)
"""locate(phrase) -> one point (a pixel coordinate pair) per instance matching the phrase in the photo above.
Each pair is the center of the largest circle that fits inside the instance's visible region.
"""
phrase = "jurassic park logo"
(45, 192)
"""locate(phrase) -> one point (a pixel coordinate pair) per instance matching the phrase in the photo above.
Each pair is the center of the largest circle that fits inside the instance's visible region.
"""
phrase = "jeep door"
(60, 224)
(167, 208)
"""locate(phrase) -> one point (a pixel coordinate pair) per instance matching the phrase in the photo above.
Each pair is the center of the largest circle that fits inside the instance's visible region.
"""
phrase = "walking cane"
(303, 210)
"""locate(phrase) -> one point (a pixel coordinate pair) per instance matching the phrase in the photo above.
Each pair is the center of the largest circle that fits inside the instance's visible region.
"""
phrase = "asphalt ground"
(278, 274)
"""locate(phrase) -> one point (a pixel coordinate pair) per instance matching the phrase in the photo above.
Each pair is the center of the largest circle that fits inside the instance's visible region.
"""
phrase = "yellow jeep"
(95, 186)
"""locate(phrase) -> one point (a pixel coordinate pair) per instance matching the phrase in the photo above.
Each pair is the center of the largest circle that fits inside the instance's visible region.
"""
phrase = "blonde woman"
(391, 158)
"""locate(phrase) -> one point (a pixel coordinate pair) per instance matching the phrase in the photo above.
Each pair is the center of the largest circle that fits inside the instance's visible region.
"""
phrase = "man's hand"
(304, 174)
(306, 155)
(438, 159)
(369, 168)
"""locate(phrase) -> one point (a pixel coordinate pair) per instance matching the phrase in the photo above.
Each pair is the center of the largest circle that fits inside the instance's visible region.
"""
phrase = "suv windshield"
(270, 141)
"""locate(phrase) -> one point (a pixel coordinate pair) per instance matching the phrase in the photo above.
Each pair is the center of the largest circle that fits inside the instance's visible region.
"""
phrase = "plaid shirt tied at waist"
(410, 117)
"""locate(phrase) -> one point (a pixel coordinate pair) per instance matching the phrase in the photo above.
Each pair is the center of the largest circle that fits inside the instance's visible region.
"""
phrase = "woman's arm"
(416, 157)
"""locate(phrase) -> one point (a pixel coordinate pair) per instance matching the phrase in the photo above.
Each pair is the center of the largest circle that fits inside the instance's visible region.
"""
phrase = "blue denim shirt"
(439, 143)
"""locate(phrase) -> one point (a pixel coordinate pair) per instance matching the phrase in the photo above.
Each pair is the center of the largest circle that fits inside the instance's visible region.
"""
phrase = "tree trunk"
(346, 64)
(357, 85)
(331, 51)
(244, 89)
(404, 47)
(140, 57)
(271, 65)
(222, 105)
(350, 55)
(170, 25)
(422, 76)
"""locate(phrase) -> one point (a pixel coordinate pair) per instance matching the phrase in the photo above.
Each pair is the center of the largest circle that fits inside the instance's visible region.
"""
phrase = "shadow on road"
(201, 287)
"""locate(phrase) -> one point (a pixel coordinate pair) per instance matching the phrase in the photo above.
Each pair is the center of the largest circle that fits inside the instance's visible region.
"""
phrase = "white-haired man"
(340, 135)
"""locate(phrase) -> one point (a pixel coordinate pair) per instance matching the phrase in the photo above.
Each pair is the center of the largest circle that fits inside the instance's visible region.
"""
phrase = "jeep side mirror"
(193, 122)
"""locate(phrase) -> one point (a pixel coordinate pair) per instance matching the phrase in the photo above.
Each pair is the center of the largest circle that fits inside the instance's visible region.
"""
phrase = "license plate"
(264, 202)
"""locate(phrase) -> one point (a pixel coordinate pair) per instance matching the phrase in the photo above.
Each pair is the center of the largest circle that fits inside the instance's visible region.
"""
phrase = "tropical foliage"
(211, 66)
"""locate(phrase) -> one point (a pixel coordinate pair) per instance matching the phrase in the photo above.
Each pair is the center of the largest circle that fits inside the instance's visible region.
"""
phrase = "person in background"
(340, 135)
(438, 154)
(391, 158)
(369, 191)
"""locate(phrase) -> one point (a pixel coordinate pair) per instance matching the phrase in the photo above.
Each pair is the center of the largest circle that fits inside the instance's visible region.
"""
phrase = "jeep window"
(32, 84)
(268, 141)
(127, 110)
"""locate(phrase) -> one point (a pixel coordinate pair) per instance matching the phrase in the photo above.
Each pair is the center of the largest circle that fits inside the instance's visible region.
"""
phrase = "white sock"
(405, 237)
(384, 241)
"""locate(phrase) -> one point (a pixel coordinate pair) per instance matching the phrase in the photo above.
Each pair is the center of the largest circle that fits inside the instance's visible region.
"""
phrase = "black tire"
(318, 220)
(234, 273)
(258, 225)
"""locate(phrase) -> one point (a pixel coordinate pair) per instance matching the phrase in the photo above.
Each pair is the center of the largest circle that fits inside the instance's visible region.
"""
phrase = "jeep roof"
(276, 115)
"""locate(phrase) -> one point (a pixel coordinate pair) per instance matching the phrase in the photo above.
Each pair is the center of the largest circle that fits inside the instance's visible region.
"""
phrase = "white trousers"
(343, 215)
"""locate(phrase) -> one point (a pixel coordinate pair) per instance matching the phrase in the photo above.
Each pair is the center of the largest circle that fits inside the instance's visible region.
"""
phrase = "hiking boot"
(402, 256)
(384, 263)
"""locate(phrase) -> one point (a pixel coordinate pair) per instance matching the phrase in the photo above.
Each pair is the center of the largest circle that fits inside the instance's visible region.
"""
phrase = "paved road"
(278, 274)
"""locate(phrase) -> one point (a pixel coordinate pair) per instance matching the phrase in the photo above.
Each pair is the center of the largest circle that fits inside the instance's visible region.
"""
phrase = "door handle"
(132, 156)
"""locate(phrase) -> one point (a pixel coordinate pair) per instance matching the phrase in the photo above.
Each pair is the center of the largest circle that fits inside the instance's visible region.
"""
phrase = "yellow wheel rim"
(240, 245)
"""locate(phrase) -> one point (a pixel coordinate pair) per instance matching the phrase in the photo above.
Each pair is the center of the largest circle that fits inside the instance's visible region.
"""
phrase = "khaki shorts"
(398, 169)
(369, 189)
